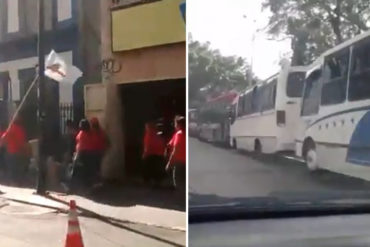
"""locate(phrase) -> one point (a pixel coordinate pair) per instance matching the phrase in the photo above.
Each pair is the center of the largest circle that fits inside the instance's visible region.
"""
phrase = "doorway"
(145, 101)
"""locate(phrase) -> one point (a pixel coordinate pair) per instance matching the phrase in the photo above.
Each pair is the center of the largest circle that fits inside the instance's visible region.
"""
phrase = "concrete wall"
(151, 64)
(140, 65)
(147, 64)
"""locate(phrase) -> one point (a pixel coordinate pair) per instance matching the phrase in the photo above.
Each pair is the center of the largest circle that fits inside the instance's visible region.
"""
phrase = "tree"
(316, 25)
(212, 73)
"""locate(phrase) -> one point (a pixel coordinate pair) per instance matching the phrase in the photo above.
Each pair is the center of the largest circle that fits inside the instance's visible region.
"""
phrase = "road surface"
(229, 173)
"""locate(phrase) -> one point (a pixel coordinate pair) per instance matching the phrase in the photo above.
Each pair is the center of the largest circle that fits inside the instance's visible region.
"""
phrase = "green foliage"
(316, 25)
(211, 73)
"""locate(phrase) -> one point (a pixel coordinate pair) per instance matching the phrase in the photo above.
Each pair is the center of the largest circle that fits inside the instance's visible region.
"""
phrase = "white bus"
(268, 114)
(335, 110)
(215, 118)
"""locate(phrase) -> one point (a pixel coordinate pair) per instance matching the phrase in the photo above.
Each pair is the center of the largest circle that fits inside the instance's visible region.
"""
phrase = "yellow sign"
(148, 25)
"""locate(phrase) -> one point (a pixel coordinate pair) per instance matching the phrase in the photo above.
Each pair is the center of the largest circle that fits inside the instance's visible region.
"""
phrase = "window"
(311, 94)
(359, 83)
(269, 96)
(295, 84)
(240, 106)
(335, 78)
(13, 16)
(248, 103)
(255, 102)
(64, 10)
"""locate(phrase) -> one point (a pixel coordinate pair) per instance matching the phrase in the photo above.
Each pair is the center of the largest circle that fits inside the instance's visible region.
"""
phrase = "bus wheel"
(311, 156)
(257, 147)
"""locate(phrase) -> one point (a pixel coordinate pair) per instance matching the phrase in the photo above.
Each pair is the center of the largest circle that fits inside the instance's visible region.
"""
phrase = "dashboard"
(323, 231)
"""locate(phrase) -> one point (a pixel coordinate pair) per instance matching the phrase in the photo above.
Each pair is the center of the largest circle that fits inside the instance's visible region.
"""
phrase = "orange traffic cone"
(74, 237)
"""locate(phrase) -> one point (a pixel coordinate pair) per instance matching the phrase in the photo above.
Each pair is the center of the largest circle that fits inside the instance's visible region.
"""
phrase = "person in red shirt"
(84, 155)
(3, 150)
(153, 154)
(99, 146)
(177, 158)
(14, 138)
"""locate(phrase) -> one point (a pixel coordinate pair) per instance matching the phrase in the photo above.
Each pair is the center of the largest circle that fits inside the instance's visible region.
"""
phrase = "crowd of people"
(161, 159)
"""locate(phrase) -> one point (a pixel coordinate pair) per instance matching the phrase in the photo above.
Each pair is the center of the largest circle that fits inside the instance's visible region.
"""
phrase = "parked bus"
(267, 114)
(335, 110)
(215, 127)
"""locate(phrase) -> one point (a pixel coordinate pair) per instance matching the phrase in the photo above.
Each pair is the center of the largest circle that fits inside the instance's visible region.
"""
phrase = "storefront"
(143, 75)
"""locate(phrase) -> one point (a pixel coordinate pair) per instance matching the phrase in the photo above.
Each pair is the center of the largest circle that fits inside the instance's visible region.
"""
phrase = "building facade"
(143, 48)
(72, 30)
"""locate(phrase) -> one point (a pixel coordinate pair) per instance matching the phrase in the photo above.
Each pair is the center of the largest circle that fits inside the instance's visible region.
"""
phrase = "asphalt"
(227, 173)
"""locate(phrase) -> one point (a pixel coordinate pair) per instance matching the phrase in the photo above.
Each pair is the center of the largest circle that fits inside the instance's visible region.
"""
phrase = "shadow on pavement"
(116, 194)
(130, 194)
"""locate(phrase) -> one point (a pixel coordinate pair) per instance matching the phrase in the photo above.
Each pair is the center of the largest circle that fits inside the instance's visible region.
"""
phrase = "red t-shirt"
(178, 141)
(98, 140)
(15, 139)
(153, 144)
(84, 141)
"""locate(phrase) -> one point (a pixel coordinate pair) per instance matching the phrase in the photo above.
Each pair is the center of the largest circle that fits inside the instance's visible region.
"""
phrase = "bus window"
(268, 96)
(240, 105)
(258, 98)
(255, 100)
(263, 98)
(335, 78)
(359, 86)
(248, 104)
(311, 95)
(295, 84)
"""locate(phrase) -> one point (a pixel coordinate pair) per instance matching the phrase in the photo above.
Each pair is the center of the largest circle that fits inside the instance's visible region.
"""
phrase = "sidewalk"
(122, 208)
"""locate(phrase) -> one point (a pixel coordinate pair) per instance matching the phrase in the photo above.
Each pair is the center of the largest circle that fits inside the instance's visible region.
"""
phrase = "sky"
(229, 26)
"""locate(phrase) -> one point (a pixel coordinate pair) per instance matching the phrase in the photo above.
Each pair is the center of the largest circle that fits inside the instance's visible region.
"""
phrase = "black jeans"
(153, 168)
(179, 177)
(17, 167)
(83, 172)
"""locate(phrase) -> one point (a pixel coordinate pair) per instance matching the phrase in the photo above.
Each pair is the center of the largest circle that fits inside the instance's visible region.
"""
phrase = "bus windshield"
(295, 84)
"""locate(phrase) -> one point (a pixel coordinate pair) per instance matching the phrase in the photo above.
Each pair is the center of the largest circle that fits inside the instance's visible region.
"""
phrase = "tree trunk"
(335, 22)
(299, 47)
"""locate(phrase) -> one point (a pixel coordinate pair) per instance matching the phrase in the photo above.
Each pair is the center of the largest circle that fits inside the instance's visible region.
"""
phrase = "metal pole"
(41, 183)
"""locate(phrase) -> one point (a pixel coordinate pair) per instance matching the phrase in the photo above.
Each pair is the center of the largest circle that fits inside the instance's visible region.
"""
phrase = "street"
(116, 219)
(25, 225)
(228, 173)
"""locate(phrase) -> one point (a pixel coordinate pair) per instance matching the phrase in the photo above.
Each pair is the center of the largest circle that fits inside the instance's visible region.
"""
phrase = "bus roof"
(265, 81)
(347, 43)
